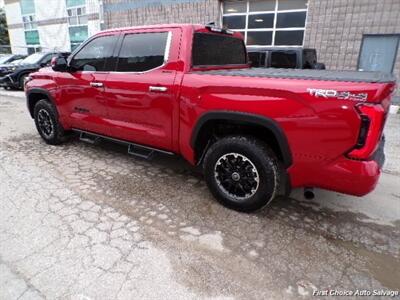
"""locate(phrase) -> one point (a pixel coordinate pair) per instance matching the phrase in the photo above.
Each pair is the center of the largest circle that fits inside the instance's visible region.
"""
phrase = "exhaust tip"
(309, 193)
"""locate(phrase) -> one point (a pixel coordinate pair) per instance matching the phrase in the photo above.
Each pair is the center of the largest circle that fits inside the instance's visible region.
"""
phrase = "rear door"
(83, 88)
(141, 94)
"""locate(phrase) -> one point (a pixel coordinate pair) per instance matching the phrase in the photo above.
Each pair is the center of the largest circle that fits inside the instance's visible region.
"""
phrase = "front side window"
(267, 22)
(217, 50)
(142, 52)
(93, 56)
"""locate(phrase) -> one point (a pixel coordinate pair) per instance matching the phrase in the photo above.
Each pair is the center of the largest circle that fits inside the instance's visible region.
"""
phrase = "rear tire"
(242, 173)
(47, 124)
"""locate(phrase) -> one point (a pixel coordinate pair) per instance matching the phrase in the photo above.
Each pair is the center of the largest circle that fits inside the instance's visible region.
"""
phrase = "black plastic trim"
(38, 91)
(123, 142)
(248, 118)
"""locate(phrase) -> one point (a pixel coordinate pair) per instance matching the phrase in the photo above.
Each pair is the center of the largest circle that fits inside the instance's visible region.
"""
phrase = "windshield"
(33, 59)
(16, 62)
(218, 50)
(4, 58)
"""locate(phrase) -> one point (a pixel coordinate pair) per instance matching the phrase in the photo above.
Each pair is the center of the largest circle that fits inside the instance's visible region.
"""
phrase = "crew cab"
(189, 90)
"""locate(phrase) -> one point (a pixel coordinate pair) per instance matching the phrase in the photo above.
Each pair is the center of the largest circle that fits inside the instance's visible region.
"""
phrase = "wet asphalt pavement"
(82, 221)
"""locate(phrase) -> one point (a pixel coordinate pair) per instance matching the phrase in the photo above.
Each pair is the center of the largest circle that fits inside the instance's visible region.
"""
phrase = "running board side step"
(138, 150)
(87, 138)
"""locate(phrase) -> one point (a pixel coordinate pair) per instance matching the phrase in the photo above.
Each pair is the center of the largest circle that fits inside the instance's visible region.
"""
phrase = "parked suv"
(288, 58)
(189, 90)
(13, 76)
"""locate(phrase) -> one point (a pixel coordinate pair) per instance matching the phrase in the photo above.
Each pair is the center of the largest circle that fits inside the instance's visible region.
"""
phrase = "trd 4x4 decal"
(339, 95)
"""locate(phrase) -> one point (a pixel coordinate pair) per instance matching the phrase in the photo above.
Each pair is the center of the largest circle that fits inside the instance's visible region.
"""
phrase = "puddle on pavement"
(384, 268)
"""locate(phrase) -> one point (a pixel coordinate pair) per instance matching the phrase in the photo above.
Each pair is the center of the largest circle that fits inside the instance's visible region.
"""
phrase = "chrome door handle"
(161, 89)
(97, 84)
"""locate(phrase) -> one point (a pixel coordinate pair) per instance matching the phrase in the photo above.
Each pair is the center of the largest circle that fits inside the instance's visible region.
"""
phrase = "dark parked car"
(13, 76)
(287, 58)
(8, 58)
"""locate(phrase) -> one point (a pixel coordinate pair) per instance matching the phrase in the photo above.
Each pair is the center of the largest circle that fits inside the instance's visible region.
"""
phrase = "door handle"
(161, 89)
(97, 84)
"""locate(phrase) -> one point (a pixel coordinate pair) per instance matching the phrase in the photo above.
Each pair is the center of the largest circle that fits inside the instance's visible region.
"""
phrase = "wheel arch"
(36, 94)
(259, 126)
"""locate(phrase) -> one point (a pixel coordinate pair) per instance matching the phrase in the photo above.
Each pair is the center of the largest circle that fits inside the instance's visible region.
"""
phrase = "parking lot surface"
(81, 221)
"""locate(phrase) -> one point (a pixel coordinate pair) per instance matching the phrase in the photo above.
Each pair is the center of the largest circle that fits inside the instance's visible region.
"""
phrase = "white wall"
(17, 41)
(54, 37)
(13, 13)
(93, 6)
(17, 35)
(50, 9)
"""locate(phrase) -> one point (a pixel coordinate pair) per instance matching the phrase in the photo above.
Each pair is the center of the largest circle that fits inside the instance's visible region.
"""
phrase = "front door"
(141, 94)
(378, 52)
(83, 88)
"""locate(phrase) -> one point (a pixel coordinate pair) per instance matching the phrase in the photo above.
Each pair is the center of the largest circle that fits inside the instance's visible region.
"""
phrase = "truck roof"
(180, 25)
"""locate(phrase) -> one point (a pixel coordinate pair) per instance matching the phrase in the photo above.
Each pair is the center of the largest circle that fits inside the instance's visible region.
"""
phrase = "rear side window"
(93, 56)
(142, 52)
(281, 59)
(216, 50)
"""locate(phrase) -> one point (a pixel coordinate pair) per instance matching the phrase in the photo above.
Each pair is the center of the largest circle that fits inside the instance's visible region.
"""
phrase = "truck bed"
(323, 75)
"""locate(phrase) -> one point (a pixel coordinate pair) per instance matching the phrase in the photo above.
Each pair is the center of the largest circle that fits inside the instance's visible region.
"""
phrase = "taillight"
(372, 120)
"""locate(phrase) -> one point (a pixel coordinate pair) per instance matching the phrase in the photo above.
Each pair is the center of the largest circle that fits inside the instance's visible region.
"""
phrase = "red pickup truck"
(189, 90)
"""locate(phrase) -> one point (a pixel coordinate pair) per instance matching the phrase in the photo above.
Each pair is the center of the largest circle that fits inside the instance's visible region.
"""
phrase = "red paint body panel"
(320, 131)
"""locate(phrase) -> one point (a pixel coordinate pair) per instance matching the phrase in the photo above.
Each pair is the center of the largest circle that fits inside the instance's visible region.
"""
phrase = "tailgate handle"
(161, 89)
(96, 84)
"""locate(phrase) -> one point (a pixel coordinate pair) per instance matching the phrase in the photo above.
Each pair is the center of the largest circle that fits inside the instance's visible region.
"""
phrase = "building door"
(378, 52)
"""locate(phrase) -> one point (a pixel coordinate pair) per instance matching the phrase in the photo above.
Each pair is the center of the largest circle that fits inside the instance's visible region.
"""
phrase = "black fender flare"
(248, 118)
(38, 91)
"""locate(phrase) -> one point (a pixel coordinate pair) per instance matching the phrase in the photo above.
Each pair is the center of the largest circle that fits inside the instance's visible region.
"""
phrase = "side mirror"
(59, 64)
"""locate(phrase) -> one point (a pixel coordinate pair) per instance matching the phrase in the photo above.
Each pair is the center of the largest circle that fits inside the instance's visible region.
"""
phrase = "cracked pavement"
(81, 221)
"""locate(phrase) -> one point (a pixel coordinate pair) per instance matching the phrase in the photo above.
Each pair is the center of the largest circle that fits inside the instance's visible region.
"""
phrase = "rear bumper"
(343, 175)
(351, 177)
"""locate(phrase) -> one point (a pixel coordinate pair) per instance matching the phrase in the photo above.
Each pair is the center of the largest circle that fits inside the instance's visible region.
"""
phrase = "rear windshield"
(217, 50)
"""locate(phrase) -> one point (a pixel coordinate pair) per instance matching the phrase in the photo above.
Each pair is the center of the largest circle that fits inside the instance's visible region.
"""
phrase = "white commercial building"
(61, 25)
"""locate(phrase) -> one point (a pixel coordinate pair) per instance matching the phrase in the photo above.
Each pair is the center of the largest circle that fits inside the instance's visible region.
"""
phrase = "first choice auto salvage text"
(387, 293)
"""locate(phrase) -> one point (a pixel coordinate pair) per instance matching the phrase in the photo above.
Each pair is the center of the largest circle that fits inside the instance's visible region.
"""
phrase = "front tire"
(22, 82)
(47, 124)
(242, 173)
